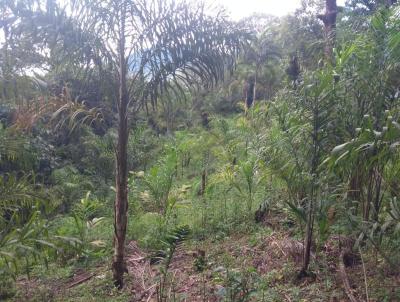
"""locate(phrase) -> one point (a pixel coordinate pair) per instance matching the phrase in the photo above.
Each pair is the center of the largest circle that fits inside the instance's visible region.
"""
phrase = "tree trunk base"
(118, 269)
(304, 274)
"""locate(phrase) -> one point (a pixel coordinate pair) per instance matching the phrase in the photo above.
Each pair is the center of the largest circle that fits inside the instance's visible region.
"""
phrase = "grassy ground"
(228, 257)
(260, 265)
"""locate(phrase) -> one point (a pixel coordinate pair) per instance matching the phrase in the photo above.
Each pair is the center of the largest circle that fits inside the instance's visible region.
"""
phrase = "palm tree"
(152, 47)
(257, 56)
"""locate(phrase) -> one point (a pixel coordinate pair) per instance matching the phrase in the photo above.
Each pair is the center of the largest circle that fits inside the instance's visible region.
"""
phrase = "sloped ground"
(257, 267)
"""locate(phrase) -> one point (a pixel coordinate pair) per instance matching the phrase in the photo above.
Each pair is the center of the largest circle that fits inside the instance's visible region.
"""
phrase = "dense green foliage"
(317, 148)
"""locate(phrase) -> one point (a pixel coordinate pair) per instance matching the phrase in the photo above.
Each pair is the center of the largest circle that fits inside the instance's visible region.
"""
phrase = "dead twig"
(80, 281)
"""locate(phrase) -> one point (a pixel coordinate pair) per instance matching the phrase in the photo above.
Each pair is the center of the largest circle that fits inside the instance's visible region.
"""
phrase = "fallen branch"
(80, 281)
(345, 279)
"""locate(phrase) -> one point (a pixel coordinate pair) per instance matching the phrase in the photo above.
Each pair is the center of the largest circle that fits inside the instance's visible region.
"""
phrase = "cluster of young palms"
(332, 140)
(102, 74)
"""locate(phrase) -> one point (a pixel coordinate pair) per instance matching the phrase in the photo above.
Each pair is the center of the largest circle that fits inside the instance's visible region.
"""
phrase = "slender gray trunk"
(121, 186)
(313, 195)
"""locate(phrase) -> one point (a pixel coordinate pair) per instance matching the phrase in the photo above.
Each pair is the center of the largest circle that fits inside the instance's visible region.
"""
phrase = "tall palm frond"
(165, 52)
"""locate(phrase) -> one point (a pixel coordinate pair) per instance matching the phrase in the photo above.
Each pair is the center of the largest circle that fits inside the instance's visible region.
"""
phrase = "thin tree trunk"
(255, 85)
(329, 20)
(378, 195)
(203, 182)
(121, 198)
(249, 92)
(6, 65)
(370, 193)
(312, 199)
(309, 235)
